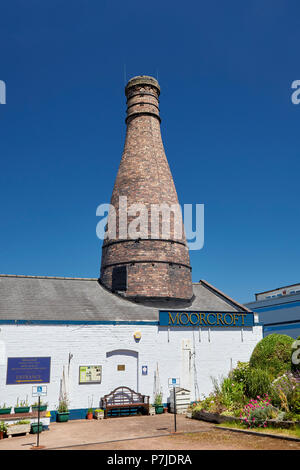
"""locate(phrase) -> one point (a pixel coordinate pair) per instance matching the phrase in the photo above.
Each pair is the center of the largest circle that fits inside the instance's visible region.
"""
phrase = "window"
(119, 278)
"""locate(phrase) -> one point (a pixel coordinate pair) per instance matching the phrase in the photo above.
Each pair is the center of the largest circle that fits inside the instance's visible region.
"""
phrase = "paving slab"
(143, 433)
(78, 432)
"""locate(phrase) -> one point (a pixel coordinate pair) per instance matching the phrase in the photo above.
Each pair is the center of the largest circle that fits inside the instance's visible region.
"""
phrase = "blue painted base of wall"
(81, 413)
(74, 414)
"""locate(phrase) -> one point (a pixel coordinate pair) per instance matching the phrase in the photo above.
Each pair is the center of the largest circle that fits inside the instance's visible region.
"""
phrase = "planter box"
(5, 411)
(42, 408)
(35, 428)
(62, 417)
(99, 414)
(22, 409)
(152, 410)
(18, 429)
(159, 409)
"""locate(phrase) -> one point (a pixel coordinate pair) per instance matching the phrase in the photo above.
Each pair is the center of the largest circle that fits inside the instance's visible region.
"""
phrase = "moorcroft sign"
(215, 319)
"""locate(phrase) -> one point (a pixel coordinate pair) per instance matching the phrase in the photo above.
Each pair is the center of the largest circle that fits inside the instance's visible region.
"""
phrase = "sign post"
(173, 382)
(38, 433)
(174, 390)
(39, 390)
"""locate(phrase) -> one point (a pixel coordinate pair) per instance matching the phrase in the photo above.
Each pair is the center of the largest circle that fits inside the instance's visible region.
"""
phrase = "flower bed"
(218, 418)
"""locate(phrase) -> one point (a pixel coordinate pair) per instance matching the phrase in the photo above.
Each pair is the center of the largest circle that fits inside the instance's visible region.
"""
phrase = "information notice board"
(90, 374)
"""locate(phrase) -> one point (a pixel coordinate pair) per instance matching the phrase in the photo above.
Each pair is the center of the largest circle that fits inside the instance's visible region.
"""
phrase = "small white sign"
(174, 382)
(39, 390)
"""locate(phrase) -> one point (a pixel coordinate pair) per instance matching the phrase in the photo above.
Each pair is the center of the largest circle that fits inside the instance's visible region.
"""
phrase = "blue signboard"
(206, 319)
(21, 370)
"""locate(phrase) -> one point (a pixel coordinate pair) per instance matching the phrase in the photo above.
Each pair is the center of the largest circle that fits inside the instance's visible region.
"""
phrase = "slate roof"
(76, 299)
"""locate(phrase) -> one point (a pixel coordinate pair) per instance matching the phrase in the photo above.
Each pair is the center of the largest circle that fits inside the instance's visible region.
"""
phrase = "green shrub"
(284, 391)
(63, 406)
(240, 372)
(258, 417)
(232, 393)
(158, 399)
(257, 383)
(257, 412)
(228, 395)
(273, 354)
(3, 426)
(22, 421)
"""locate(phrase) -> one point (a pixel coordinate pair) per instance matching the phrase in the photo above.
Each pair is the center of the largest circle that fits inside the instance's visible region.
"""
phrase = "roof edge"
(234, 302)
(51, 277)
(277, 288)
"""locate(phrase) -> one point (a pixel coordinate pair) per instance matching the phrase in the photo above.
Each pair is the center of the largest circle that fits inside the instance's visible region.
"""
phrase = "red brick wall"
(144, 177)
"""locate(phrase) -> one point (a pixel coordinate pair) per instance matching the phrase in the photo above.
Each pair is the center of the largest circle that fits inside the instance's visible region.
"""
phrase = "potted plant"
(3, 429)
(22, 407)
(35, 406)
(36, 427)
(90, 413)
(158, 404)
(62, 411)
(5, 410)
(99, 413)
(189, 412)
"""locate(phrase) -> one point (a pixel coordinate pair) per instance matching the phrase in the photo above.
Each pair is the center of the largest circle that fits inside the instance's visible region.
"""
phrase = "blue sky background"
(230, 130)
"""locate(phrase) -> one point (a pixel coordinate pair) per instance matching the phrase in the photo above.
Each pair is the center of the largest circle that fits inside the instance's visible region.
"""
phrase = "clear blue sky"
(230, 130)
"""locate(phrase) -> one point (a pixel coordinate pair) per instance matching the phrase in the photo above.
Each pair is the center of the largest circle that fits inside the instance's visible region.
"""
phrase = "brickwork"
(155, 268)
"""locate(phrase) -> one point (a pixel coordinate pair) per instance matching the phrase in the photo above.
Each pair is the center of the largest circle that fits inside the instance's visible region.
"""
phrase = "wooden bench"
(124, 397)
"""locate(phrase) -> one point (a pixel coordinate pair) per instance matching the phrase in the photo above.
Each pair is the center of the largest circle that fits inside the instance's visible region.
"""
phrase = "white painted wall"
(214, 352)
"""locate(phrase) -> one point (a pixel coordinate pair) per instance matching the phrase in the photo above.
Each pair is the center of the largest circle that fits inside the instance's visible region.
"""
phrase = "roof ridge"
(51, 277)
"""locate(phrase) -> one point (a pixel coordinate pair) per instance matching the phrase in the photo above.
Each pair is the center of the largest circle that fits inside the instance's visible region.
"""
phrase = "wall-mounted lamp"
(137, 335)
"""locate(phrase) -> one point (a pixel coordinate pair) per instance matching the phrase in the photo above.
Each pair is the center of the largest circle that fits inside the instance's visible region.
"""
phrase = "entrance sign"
(175, 318)
(90, 374)
(39, 391)
(21, 370)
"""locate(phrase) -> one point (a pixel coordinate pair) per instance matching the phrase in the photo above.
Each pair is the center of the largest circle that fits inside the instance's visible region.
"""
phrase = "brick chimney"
(145, 269)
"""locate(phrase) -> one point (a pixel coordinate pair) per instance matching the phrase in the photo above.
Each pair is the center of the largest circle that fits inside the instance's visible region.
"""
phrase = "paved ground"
(143, 432)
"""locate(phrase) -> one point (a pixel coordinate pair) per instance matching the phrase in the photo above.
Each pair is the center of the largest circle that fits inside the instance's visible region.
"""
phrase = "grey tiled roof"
(45, 298)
